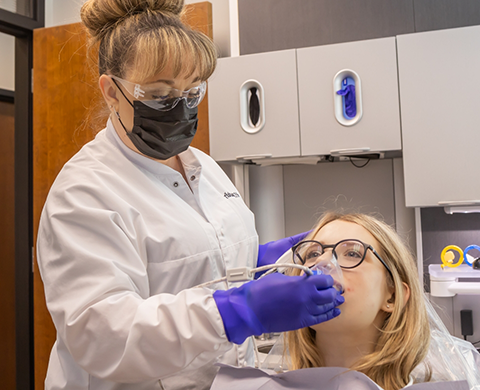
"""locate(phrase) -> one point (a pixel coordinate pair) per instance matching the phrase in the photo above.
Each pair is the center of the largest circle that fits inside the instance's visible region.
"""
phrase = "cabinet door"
(375, 63)
(231, 135)
(440, 105)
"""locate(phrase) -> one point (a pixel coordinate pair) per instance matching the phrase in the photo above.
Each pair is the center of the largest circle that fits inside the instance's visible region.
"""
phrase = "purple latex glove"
(277, 303)
(270, 252)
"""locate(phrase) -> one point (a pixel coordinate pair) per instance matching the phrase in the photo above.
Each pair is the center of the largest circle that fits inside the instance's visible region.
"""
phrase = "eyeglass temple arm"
(293, 248)
(381, 260)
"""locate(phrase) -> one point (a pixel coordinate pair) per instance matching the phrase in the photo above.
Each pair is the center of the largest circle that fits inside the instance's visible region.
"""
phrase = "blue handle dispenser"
(349, 98)
(347, 95)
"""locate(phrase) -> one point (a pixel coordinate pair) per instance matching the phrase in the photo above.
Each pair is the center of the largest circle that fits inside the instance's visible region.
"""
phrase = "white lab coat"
(122, 239)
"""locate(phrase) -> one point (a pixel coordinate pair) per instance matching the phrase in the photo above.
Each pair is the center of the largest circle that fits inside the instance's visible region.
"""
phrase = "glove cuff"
(262, 249)
(238, 319)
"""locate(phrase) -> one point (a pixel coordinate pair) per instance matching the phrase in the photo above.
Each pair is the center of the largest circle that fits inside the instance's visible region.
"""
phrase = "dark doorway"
(7, 243)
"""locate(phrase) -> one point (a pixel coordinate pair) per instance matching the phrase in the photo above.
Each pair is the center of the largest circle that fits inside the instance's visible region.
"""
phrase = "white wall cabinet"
(300, 120)
(275, 132)
(377, 127)
(440, 106)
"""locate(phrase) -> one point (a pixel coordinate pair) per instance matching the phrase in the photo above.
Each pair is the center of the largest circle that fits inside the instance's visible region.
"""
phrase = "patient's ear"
(390, 302)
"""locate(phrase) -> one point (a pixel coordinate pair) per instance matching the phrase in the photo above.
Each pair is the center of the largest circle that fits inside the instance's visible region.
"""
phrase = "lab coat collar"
(188, 158)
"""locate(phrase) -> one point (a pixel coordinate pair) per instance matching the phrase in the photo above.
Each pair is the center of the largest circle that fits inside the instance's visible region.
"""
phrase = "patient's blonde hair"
(404, 337)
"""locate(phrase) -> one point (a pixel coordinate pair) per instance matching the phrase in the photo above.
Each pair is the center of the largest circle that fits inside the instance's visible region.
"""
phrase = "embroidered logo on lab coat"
(228, 195)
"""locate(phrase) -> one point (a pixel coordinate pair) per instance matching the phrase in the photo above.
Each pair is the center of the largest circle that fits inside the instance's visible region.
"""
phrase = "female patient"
(383, 330)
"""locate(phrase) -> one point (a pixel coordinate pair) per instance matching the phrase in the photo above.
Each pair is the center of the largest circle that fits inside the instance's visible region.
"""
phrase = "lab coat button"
(216, 347)
(192, 178)
(175, 184)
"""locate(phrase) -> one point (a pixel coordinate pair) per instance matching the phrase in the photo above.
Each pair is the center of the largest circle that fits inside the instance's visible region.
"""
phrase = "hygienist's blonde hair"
(404, 337)
(141, 37)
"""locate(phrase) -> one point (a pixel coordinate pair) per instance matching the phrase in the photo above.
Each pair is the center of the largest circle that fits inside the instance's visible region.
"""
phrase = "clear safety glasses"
(349, 253)
(161, 96)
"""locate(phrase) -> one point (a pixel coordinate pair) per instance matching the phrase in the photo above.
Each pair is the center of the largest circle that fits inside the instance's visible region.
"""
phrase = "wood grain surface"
(62, 94)
(199, 17)
(68, 111)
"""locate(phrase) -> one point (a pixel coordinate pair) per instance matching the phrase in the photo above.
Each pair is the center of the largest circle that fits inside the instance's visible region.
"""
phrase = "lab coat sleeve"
(96, 287)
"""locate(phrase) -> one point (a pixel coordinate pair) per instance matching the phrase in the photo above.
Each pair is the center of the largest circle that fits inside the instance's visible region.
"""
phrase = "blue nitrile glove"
(270, 252)
(277, 303)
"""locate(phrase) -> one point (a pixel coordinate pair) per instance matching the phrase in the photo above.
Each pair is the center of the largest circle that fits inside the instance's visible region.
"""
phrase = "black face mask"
(162, 134)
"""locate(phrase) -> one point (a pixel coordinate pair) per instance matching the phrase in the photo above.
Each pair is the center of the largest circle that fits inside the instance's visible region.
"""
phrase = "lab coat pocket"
(177, 275)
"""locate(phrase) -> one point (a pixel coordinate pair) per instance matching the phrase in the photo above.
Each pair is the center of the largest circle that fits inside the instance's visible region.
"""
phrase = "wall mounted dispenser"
(252, 106)
(347, 96)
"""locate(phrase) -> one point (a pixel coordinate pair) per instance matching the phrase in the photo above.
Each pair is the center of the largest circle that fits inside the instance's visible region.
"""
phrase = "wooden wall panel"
(199, 17)
(67, 103)
(63, 91)
(7, 245)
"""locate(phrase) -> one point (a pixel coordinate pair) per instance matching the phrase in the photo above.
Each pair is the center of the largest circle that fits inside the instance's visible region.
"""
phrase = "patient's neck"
(344, 350)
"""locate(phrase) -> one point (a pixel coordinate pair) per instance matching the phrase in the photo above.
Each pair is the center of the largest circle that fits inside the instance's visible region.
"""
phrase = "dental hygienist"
(137, 219)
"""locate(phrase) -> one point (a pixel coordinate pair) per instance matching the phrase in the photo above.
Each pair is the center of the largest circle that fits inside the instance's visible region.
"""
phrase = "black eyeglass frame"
(365, 246)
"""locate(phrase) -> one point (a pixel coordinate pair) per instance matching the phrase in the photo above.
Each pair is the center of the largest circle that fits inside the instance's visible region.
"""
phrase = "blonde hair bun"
(99, 15)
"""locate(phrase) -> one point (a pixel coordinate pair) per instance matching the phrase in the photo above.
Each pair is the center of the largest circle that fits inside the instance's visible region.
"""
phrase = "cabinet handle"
(252, 106)
(459, 203)
(339, 152)
(254, 156)
(347, 97)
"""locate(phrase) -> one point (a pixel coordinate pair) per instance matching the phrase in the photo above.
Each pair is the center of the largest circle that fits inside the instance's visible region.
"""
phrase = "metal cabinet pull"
(339, 152)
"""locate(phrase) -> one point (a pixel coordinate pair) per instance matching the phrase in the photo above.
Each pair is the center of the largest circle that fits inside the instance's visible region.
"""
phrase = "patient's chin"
(333, 325)
(348, 321)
